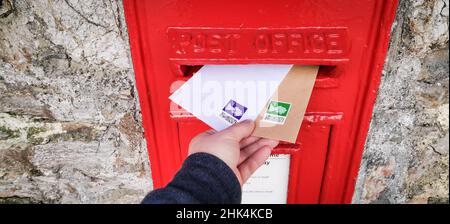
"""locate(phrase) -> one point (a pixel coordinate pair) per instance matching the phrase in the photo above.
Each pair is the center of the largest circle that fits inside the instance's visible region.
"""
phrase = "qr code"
(274, 119)
(228, 118)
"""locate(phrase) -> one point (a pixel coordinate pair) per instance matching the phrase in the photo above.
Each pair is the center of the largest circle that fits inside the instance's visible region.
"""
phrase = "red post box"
(348, 39)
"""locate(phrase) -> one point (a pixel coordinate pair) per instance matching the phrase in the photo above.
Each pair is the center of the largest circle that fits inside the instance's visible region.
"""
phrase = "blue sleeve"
(203, 179)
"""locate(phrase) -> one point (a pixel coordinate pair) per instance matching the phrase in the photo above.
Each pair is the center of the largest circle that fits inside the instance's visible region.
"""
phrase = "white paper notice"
(221, 95)
(269, 184)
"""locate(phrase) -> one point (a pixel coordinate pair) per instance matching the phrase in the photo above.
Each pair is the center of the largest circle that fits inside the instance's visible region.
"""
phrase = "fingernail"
(268, 151)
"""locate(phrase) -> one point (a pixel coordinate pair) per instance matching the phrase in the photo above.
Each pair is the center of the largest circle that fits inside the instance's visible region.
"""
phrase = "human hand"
(240, 151)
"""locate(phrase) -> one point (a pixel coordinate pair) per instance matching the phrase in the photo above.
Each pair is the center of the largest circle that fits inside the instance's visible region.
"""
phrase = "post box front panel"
(171, 40)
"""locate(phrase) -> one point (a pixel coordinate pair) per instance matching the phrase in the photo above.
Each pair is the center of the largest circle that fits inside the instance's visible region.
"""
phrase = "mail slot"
(170, 41)
(328, 75)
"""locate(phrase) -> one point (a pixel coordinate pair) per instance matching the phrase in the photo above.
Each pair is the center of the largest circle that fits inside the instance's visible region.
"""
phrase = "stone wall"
(406, 155)
(70, 128)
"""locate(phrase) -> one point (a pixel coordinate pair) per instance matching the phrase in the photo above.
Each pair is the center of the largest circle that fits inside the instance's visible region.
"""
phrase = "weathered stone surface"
(70, 129)
(406, 155)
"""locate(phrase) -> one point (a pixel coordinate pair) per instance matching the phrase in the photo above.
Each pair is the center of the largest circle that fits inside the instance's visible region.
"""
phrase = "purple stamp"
(233, 109)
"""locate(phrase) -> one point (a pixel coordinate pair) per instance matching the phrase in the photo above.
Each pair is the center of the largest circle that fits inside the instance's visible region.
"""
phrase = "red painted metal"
(170, 40)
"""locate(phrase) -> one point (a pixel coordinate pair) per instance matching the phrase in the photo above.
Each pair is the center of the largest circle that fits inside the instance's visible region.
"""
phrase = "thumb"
(240, 130)
(250, 165)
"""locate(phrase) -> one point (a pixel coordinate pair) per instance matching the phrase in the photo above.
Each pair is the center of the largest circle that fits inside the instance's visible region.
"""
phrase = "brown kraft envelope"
(283, 114)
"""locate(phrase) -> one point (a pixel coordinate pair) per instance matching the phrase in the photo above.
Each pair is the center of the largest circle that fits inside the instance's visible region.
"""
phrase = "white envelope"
(221, 95)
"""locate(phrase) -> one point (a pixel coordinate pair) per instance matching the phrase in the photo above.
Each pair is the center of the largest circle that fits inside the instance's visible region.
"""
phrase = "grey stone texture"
(70, 126)
(70, 123)
(406, 154)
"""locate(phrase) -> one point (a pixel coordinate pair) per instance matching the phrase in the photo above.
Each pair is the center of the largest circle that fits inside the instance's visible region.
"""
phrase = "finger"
(203, 134)
(250, 149)
(247, 141)
(210, 132)
(249, 166)
(239, 130)
(206, 133)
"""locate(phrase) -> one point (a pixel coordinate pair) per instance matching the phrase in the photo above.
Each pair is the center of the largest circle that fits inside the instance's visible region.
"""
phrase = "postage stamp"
(277, 112)
(232, 112)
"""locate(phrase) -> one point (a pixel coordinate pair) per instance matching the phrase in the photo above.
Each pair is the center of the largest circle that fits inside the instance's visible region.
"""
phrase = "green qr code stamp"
(277, 112)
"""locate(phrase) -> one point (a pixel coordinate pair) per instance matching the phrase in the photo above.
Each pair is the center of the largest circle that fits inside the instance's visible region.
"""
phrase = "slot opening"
(189, 70)
(325, 71)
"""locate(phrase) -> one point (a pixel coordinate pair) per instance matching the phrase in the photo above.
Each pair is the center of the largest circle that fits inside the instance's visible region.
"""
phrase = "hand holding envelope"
(275, 96)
